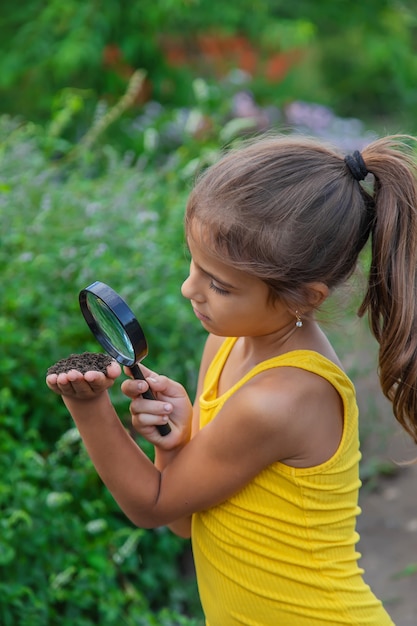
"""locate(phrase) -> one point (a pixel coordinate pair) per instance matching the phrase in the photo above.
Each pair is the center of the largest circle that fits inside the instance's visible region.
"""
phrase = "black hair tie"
(356, 165)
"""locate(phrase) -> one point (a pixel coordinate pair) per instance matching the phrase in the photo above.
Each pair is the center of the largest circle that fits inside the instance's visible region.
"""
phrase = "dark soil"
(85, 362)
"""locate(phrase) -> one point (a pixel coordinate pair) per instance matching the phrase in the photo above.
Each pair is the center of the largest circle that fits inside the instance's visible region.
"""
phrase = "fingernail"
(152, 379)
(141, 386)
(168, 408)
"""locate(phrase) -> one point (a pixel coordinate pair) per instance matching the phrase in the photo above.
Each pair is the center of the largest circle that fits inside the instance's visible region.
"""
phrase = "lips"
(201, 317)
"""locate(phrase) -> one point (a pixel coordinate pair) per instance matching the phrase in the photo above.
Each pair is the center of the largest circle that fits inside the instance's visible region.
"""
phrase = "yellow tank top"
(281, 551)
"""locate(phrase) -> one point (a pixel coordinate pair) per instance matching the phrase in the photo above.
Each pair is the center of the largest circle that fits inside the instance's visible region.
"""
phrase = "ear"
(317, 293)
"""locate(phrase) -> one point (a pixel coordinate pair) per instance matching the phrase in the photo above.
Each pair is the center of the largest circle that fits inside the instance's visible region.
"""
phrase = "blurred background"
(108, 110)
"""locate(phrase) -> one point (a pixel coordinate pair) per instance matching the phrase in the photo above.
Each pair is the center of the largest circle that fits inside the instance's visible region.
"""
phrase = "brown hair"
(289, 211)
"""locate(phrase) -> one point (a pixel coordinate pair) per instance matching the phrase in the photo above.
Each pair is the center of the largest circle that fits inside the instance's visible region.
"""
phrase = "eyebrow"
(213, 277)
(209, 274)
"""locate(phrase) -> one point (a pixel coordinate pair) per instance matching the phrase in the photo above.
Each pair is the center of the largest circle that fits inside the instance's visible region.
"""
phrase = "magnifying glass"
(116, 328)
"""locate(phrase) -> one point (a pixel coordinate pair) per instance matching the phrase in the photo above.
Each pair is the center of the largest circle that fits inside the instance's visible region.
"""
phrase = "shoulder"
(290, 414)
(288, 387)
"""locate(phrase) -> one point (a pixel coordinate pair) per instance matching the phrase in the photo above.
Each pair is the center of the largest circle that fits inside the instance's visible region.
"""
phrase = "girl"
(263, 471)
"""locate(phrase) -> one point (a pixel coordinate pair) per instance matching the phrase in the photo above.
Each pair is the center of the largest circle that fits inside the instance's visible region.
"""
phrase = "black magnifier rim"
(122, 313)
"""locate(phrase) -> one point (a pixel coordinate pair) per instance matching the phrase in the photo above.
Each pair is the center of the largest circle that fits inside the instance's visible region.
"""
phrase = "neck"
(284, 339)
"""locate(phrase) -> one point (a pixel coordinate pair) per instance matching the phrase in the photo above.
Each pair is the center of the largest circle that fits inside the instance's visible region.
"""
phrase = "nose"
(186, 288)
(189, 288)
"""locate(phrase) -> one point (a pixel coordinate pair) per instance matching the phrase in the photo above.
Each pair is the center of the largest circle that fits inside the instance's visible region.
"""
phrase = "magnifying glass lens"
(111, 330)
(115, 326)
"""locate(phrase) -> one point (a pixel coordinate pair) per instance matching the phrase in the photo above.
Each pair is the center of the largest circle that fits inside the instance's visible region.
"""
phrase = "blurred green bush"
(358, 58)
(65, 226)
(67, 554)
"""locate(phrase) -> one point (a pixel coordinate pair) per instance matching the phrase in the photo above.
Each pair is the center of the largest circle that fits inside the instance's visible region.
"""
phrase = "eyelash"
(221, 292)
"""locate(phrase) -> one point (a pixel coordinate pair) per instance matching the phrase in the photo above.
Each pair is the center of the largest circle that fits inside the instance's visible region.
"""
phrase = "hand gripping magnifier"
(116, 328)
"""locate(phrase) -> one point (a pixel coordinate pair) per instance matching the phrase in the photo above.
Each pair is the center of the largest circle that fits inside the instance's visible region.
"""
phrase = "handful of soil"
(85, 362)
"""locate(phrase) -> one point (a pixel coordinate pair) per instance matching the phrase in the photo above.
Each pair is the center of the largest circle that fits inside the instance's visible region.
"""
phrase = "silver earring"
(298, 320)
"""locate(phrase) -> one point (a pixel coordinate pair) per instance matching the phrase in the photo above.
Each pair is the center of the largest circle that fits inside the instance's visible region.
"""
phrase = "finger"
(150, 407)
(133, 388)
(127, 371)
(145, 371)
(164, 386)
(141, 421)
(52, 383)
(51, 380)
(75, 383)
(113, 371)
(66, 382)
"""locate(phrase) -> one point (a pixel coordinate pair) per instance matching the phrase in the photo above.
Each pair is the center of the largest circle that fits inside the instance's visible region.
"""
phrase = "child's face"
(229, 302)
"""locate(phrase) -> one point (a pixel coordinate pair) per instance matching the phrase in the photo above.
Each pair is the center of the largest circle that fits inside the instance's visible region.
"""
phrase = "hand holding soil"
(85, 362)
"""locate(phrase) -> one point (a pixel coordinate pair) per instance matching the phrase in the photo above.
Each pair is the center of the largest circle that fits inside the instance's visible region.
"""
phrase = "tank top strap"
(303, 359)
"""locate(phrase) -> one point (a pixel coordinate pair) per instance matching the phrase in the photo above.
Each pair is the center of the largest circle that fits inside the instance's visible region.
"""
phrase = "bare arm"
(263, 422)
(182, 527)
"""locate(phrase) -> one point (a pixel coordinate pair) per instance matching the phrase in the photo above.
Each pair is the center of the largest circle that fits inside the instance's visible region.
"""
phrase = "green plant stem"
(91, 136)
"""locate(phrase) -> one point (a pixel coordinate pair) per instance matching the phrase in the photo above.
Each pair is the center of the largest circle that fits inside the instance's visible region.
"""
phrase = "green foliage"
(63, 228)
(67, 554)
(373, 72)
(91, 46)
(70, 215)
(359, 59)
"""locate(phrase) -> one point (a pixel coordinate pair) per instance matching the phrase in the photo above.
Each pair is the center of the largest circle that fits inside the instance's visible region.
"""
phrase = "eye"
(221, 292)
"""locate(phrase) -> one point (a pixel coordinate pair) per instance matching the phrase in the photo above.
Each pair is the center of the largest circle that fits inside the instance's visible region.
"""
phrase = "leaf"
(7, 554)
(409, 570)
(236, 127)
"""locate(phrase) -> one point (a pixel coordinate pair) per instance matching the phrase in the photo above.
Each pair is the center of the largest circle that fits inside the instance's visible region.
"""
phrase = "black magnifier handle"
(163, 429)
(116, 328)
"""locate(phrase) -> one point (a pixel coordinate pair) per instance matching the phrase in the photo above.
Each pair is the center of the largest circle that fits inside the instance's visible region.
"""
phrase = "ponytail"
(291, 211)
(391, 298)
